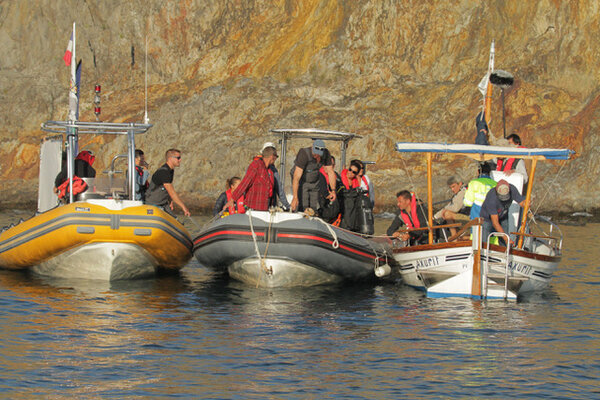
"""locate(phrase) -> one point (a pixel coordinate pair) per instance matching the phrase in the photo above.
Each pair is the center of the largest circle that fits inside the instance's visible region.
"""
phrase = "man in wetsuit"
(305, 176)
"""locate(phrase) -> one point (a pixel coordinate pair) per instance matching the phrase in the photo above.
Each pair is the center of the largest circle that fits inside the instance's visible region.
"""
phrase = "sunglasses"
(353, 171)
(177, 157)
(319, 148)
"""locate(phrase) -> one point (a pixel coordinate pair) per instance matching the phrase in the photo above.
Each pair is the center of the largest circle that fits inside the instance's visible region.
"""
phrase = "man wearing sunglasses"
(161, 192)
(305, 176)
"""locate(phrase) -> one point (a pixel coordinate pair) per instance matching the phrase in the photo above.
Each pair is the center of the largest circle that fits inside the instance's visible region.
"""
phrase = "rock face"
(222, 73)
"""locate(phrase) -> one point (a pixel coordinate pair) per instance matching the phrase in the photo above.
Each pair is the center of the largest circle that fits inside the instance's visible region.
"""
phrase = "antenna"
(146, 119)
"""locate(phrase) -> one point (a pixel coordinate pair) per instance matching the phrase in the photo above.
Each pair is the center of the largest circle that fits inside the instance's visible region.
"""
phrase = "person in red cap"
(494, 209)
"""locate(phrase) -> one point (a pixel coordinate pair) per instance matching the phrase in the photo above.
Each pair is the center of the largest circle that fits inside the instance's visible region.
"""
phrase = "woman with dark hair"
(238, 207)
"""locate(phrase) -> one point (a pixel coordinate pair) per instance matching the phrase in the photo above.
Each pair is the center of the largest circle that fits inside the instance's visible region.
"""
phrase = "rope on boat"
(260, 259)
(549, 187)
(336, 243)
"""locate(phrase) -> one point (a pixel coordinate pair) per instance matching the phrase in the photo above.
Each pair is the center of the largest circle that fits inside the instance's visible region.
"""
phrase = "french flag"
(69, 52)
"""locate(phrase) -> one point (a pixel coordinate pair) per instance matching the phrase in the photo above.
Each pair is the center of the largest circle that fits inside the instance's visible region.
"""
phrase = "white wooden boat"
(471, 267)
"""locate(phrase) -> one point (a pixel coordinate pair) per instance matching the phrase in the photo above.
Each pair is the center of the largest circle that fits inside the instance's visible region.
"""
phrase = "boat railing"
(461, 232)
(104, 187)
(466, 228)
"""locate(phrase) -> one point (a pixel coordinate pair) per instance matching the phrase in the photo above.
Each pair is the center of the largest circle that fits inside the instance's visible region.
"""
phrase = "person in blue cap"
(305, 176)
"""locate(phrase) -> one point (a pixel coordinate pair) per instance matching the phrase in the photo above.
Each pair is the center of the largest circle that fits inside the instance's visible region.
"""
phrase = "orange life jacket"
(346, 182)
(240, 204)
(79, 186)
(501, 166)
(413, 220)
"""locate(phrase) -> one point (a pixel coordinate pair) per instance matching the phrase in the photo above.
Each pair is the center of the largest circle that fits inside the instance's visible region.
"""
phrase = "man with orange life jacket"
(141, 176)
(512, 165)
(224, 198)
(412, 214)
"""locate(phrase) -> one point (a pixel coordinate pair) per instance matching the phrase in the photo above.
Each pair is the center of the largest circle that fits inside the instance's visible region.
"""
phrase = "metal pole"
(282, 169)
(503, 116)
(430, 197)
(131, 163)
(344, 146)
(71, 134)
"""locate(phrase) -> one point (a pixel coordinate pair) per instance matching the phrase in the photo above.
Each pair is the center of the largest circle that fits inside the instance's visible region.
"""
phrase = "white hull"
(279, 272)
(112, 261)
(448, 271)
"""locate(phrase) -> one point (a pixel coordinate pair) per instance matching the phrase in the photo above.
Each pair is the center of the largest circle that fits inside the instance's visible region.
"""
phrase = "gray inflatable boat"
(277, 249)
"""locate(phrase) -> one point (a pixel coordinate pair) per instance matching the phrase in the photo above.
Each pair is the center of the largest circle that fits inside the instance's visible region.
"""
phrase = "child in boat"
(231, 184)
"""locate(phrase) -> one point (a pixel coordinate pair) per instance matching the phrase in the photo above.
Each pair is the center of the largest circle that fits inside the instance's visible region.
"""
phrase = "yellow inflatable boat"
(100, 233)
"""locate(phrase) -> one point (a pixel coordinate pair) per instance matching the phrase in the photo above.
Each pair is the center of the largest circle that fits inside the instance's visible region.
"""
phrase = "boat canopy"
(483, 153)
(313, 133)
(72, 130)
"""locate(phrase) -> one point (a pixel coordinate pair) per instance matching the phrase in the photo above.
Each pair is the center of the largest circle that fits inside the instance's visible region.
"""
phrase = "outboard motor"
(366, 222)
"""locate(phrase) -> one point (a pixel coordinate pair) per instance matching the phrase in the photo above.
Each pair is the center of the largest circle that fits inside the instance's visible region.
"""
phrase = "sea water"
(201, 335)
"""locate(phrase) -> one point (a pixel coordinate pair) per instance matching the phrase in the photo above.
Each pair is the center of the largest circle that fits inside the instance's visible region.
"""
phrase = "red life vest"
(346, 182)
(240, 203)
(322, 171)
(79, 186)
(501, 166)
(414, 223)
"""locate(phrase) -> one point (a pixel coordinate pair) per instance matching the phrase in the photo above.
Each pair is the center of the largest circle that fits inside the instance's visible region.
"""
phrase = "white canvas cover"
(50, 164)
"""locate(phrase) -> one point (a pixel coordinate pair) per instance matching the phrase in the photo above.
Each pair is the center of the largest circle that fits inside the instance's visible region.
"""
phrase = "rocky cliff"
(222, 73)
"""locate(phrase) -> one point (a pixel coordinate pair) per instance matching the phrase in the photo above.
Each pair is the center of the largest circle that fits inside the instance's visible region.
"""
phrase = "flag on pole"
(78, 87)
(69, 52)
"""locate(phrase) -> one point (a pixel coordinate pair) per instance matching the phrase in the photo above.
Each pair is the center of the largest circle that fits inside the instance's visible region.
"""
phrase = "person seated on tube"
(221, 204)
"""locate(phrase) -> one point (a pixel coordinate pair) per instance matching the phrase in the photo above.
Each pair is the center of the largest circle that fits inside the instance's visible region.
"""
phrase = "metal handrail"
(104, 128)
(485, 271)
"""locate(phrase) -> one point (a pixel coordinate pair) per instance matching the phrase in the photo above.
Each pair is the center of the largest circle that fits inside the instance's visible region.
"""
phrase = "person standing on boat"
(329, 211)
(512, 165)
(477, 189)
(412, 214)
(161, 192)
(305, 176)
(350, 196)
(279, 192)
(494, 209)
(257, 186)
(366, 184)
(141, 175)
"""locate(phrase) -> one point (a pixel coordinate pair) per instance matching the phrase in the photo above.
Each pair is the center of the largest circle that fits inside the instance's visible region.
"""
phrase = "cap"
(318, 147)
(268, 144)
(503, 190)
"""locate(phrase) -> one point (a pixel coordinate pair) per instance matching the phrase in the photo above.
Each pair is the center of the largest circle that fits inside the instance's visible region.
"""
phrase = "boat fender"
(383, 270)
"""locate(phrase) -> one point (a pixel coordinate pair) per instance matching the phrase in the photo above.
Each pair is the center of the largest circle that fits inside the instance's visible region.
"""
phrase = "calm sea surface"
(199, 335)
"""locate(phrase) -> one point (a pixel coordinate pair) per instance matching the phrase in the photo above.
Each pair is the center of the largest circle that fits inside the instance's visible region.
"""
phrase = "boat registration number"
(427, 262)
(521, 268)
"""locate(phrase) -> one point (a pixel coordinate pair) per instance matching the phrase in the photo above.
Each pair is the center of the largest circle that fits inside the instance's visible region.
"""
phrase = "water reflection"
(199, 333)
